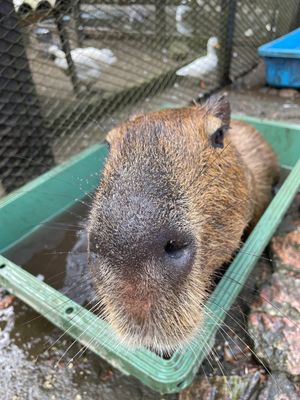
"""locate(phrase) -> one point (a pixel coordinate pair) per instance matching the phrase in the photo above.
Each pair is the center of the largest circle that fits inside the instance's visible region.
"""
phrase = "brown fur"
(163, 172)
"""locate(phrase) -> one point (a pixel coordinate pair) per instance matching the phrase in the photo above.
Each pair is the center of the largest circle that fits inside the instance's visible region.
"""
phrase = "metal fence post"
(226, 40)
(77, 23)
(297, 19)
(25, 149)
(160, 18)
(65, 44)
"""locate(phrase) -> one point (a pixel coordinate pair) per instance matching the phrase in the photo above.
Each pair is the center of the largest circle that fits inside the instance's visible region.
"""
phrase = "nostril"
(175, 249)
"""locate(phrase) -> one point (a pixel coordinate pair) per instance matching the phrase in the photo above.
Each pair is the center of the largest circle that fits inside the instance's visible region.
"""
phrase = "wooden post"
(25, 147)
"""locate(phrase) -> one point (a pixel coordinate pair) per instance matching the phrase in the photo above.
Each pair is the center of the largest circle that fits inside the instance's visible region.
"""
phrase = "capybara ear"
(219, 106)
(114, 135)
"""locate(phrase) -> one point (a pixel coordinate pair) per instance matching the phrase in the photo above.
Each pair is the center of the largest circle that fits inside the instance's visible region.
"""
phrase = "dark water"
(56, 252)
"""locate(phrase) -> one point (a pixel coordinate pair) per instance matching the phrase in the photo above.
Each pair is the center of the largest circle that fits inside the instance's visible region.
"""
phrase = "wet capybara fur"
(178, 190)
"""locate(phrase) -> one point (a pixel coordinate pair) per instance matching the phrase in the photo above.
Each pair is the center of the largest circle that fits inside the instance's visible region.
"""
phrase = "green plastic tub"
(165, 376)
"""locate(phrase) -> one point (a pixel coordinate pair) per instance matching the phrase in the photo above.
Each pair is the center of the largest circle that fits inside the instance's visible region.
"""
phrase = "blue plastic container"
(282, 60)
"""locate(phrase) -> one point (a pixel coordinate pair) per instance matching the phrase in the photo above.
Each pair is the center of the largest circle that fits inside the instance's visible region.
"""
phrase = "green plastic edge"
(283, 137)
(160, 375)
(49, 195)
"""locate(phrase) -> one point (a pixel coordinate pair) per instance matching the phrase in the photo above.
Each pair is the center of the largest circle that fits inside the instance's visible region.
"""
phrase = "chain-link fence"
(57, 97)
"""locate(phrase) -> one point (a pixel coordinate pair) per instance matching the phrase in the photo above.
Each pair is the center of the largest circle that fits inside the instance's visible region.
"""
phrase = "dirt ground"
(29, 345)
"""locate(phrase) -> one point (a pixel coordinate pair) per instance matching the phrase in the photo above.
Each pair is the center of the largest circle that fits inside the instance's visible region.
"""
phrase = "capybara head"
(170, 209)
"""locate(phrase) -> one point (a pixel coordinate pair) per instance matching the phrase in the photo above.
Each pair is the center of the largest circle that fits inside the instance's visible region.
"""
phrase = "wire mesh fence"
(70, 70)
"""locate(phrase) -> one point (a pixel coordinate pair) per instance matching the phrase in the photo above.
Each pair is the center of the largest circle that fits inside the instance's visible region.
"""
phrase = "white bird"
(182, 25)
(202, 66)
(89, 62)
(33, 4)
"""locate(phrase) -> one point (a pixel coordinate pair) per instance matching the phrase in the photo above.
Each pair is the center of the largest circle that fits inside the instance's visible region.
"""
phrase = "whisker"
(66, 331)
(220, 321)
(257, 292)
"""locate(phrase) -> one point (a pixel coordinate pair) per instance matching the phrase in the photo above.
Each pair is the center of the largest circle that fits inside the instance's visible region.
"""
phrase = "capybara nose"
(165, 250)
(179, 255)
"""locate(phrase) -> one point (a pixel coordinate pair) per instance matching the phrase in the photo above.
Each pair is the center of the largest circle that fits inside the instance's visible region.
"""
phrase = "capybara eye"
(217, 138)
(175, 249)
